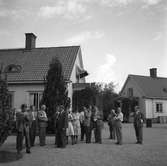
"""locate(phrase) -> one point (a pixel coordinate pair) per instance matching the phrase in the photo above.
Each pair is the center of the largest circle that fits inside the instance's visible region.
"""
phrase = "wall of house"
(136, 93)
(77, 63)
(151, 108)
(73, 77)
(131, 84)
(21, 93)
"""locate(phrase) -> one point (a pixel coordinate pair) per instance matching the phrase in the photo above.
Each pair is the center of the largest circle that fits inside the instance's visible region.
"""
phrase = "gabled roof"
(151, 87)
(35, 62)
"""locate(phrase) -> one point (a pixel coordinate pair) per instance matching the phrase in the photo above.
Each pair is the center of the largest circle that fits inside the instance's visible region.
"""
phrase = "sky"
(117, 37)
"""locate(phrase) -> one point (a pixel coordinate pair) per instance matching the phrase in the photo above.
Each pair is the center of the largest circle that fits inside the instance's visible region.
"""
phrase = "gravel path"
(153, 152)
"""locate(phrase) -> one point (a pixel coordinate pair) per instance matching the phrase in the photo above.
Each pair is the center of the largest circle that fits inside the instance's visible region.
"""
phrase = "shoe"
(28, 151)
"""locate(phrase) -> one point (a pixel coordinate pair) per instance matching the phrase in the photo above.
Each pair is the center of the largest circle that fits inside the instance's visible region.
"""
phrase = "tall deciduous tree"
(55, 92)
(108, 96)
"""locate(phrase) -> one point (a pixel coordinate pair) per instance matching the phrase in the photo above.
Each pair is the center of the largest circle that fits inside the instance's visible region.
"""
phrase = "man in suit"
(98, 119)
(22, 127)
(62, 124)
(56, 116)
(138, 125)
(33, 115)
(81, 118)
(118, 126)
(87, 123)
(111, 123)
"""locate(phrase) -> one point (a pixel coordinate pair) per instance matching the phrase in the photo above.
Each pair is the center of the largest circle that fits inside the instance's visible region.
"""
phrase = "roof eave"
(160, 98)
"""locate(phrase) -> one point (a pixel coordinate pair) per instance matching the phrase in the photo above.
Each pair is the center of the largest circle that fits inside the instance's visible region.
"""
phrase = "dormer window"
(13, 68)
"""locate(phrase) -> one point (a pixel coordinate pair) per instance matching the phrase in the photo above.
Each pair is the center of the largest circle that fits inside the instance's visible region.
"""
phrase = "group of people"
(27, 122)
(71, 124)
(115, 120)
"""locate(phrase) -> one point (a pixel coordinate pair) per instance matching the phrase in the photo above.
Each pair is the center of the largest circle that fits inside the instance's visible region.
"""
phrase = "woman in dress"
(76, 125)
(70, 129)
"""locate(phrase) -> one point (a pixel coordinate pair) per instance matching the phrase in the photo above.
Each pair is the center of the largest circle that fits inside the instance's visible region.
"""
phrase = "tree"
(5, 113)
(55, 91)
(108, 96)
(84, 97)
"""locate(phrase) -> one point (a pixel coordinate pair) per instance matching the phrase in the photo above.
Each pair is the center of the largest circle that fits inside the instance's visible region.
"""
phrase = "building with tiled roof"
(151, 92)
(27, 67)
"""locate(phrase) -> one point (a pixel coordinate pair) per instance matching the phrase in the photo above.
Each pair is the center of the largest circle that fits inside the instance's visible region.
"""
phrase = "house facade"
(27, 68)
(151, 92)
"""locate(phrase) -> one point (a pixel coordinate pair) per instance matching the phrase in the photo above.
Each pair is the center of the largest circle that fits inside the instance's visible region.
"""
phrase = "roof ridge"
(15, 49)
(147, 76)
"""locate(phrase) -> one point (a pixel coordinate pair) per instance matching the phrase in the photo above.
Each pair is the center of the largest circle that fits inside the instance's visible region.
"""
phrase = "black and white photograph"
(83, 82)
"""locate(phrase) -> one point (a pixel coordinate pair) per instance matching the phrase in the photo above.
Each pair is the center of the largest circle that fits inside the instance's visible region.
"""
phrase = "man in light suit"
(42, 122)
(138, 125)
(118, 126)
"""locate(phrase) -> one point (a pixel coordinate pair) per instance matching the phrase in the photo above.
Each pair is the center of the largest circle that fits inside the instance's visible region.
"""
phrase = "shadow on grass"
(6, 156)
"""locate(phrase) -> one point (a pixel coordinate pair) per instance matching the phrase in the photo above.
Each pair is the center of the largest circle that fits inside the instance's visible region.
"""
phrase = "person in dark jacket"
(138, 125)
(33, 126)
(22, 127)
(111, 123)
(42, 122)
(82, 118)
(98, 119)
(62, 124)
(87, 123)
(56, 116)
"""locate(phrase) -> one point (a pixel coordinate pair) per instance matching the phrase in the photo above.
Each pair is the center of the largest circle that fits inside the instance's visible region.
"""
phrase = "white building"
(27, 67)
(151, 92)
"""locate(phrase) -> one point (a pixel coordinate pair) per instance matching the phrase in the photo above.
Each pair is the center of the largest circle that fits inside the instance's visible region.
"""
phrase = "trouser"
(33, 132)
(88, 132)
(139, 133)
(42, 136)
(119, 134)
(55, 136)
(20, 137)
(82, 131)
(61, 138)
(112, 131)
(97, 131)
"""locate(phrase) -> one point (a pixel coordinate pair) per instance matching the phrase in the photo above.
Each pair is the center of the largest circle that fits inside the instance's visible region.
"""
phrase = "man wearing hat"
(138, 125)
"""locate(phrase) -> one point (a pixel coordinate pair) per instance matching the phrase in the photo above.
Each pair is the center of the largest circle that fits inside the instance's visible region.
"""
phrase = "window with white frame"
(159, 107)
(35, 98)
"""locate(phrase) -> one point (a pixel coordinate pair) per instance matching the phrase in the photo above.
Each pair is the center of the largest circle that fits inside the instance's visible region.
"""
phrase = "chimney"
(30, 41)
(153, 72)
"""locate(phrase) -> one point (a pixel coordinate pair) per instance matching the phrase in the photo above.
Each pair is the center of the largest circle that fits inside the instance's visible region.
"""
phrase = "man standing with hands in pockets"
(138, 125)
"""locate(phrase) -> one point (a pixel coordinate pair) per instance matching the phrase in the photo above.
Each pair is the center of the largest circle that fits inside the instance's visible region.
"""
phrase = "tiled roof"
(35, 62)
(151, 87)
